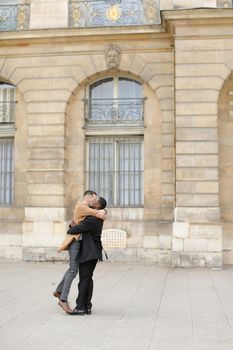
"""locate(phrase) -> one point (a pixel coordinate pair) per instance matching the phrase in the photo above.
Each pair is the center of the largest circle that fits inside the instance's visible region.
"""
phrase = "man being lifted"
(72, 243)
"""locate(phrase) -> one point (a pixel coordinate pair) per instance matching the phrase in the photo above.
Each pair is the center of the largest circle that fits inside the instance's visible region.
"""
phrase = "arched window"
(7, 119)
(116, 100)
(114, 150)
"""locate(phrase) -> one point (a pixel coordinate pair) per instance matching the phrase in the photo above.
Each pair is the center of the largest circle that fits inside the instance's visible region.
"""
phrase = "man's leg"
(85, 286)
(71, 272)
(60, 286)
(89, 296)
(63, 288)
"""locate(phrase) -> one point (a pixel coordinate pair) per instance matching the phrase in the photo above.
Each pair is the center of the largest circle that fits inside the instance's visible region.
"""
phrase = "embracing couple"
(83, 242)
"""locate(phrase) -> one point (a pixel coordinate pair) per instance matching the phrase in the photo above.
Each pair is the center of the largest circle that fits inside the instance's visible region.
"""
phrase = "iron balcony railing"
(7, 112)
(99, 13)
(14, 17)
(116, 110)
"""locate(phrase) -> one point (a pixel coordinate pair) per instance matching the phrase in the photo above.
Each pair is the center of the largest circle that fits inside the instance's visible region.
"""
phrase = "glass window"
(6, 170)
(115, 163)
(130, 172)
(102, 89)
(7, 119)
(7, 103)
(128, 88)
(115, 169)
(117, 100)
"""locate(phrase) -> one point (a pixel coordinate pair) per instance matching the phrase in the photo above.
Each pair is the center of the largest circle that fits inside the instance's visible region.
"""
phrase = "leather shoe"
(77, 312)
(56, 294)
(88, 311)
(65, 306)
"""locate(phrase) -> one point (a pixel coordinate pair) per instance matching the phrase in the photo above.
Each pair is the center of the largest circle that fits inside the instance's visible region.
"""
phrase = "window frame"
(116, 140)
(6, 171)
(116, 103)
(7, 135)
(123, 131)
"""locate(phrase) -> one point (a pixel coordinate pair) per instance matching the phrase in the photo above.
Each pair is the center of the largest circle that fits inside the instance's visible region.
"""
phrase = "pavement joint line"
(168, 299)
(220, 302)
(191, 310)
(159, 306)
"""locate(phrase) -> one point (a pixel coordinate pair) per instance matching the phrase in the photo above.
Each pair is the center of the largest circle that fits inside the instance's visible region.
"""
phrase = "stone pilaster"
(199, 74)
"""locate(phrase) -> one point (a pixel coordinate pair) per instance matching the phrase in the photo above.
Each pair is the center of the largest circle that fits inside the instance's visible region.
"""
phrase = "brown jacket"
(80, 212)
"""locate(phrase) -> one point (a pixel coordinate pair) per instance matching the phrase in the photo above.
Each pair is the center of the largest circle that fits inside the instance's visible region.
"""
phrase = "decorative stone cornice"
(196, 17)
(197, 14)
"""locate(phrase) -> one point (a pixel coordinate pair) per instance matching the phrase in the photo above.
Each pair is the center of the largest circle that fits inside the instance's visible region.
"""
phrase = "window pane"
(118, 100)
(7, 103)
(116, 170)
(130, 102)
(101, 100)
(102, 89)
(101, 168)
(6, 171)
(130, 173)
(128, 88)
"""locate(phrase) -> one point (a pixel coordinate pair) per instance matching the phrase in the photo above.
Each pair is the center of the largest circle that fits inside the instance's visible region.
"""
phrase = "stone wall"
(52, 79)
(183, 66)
(203, 62)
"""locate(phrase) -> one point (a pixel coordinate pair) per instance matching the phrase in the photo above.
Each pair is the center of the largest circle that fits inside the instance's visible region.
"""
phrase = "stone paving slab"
(136, 306)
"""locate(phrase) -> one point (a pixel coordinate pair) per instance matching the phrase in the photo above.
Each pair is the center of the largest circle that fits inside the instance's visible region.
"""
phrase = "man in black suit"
(89, 254)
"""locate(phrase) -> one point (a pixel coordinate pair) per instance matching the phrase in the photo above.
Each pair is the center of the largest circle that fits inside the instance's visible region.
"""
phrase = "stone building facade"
(136, 104)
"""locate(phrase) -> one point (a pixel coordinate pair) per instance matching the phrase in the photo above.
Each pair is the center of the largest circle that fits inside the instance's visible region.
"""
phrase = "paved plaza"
(136, 307)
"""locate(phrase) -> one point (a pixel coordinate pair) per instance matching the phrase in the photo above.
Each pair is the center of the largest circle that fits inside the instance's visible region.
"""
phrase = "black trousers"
(85, 286)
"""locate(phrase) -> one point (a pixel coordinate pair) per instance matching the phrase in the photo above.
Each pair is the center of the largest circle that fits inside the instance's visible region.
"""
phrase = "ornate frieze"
(14, 17)
(23, 17)
(97, 13)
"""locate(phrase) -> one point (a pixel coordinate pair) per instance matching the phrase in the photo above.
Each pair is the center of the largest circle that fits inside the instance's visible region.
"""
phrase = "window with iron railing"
(115, 163)
(7, 130)
(115, 100)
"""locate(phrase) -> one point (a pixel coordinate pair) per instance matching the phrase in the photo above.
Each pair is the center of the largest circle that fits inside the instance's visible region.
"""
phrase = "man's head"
(89, 197)
(100, 203)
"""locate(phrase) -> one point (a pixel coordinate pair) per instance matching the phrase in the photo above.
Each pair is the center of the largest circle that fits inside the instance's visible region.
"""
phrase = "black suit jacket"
(91, 246)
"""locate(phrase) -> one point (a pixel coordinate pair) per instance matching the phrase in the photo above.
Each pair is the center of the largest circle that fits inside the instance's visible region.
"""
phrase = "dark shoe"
(88, 311)
(56, 294)
(77, 312)
(65, 306)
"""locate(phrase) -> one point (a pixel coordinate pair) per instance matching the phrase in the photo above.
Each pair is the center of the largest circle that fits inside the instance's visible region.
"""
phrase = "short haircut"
(89, 193)
(102, 202)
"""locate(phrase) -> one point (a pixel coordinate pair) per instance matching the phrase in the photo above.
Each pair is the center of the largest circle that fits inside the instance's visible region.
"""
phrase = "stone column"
(197, 231)
(46, 90)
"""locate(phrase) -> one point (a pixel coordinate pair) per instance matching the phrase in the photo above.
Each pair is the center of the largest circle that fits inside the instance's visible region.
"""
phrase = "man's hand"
(72, 224)
(101, 214)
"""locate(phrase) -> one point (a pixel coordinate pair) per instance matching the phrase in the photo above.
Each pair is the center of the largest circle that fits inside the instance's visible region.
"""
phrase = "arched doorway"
(225, 122)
